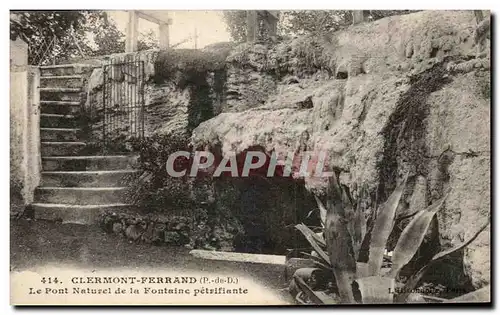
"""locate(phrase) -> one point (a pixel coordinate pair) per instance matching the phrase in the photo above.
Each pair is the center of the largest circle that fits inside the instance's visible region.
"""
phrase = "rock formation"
(404, 93)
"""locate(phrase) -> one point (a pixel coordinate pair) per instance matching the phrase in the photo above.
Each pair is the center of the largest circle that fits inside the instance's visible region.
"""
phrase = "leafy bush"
(314, 52)
(336, 251)
(300, 22)
(190, 63)
(155, 189)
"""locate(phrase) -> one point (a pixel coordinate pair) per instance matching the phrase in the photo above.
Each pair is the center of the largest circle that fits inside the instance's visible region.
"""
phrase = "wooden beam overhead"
(149, 17)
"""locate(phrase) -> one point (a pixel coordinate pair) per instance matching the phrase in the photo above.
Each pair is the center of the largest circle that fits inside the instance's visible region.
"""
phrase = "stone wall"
(151, 229)
(177, 94)
(24, 128)
(182, 88)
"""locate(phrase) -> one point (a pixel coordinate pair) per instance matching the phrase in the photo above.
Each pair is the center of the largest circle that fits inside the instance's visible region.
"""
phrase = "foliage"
(107, 38)
(291, 22)
(148, 41)
(187, 61)
(314, 53)
(236, 24)
(220, 48)
(379, 14)
(337, 250)
(155, 189)
(39, 23)
(300, 22)
(40, 28)
(318, 21)
(62, 35)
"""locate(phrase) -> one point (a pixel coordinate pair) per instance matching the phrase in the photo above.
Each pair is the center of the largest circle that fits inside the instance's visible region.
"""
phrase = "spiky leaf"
(376, 290)
(313, 297)
(461, 246)
(412, 236)
(319, 239)
(293, 289)
(293, 264)
(413, 281)
(359, 224)
(322, 210)
(312, 276)
(352, 219)
(382, 228)
(341, 256)
(310, 238)
(338, 242)
(326, 298)
(318, 261)
(361, 270)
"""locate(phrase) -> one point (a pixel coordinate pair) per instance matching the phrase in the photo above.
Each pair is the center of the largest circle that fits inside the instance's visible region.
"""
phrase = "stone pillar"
(34, 157)
(132, 31)
(164, 36)
(252, 26)
(25, 156)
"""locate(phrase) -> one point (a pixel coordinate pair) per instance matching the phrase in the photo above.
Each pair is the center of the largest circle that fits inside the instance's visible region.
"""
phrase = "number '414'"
(49, 280)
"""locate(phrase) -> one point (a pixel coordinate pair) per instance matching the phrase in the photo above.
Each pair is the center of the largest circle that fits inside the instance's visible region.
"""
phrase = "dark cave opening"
(268, 208)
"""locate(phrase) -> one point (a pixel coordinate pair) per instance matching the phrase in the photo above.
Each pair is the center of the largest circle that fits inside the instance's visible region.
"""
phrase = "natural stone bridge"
(404, 93)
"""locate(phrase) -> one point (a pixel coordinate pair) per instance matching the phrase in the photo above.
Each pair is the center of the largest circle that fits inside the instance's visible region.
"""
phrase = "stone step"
(80, 214)
(60, 107)
(58, 121)
(61, 148)
(68, 81)
(279, 260)
(60, 89)
(88, 163)
(80, 195)
(118, 178)
(68, 69)
(60, 94)
(59, 134)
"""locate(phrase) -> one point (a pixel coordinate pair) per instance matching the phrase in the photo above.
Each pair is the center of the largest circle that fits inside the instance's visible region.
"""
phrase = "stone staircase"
(75, 186)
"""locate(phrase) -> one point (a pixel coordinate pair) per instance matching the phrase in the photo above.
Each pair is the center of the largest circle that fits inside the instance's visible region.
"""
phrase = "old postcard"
(250, 157)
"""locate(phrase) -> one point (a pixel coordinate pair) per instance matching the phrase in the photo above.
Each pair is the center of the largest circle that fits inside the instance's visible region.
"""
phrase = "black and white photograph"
(250, 157)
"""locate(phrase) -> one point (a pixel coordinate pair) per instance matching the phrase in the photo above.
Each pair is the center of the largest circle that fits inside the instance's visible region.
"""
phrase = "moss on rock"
(186, 62)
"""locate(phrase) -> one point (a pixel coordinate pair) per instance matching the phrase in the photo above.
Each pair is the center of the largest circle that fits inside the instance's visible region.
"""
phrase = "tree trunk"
(357, 16)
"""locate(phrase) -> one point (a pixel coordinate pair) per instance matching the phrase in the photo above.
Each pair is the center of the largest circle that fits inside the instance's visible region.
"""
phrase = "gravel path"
(36, 242)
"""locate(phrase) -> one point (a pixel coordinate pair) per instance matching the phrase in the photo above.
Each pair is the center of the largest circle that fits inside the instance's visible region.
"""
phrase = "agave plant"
(336, 251)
